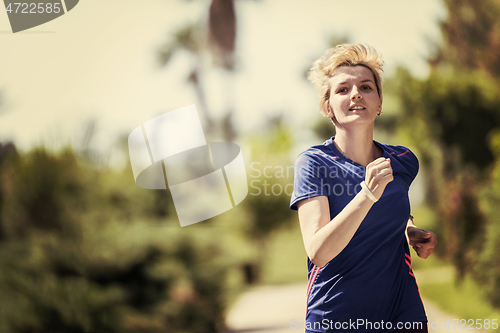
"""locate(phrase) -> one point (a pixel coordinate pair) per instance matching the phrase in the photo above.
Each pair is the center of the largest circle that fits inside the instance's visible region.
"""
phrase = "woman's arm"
(422, 241)
(325, 239)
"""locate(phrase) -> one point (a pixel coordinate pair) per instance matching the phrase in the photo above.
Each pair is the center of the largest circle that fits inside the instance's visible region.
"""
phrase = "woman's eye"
(341, 90)
(366, 88)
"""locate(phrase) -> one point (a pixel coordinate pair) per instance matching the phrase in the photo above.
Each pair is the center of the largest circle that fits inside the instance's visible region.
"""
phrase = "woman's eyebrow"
(345, 82)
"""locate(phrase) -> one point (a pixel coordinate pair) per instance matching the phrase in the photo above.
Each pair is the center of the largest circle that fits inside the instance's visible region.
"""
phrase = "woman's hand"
(422, 241)
(378, 175)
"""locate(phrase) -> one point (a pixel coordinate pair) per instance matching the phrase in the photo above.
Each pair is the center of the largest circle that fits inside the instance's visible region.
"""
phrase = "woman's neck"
(357, 145)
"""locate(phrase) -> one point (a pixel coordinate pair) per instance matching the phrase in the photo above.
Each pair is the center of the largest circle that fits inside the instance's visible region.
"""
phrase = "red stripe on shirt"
(311, 282)
(411, 273)
(312, 278)
(403, 153)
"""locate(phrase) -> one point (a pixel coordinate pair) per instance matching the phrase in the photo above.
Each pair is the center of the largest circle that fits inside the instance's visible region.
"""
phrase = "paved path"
(255, 312)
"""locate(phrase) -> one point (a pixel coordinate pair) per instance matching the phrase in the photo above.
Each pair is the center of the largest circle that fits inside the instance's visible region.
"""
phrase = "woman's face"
(353, 97)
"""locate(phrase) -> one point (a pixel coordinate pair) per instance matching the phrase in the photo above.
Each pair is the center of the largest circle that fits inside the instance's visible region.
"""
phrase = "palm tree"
(219, 39)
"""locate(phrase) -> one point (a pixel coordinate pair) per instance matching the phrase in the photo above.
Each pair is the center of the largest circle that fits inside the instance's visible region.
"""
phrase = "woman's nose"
(355, 94)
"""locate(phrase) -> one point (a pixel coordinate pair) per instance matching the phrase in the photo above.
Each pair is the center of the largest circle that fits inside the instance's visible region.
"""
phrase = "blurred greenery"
(452, 120)
(286, 261)
(83, 248)
(464, 299)
(81, 251)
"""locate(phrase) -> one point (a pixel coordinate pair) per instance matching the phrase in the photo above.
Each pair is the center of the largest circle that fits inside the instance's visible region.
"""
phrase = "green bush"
(83, 249)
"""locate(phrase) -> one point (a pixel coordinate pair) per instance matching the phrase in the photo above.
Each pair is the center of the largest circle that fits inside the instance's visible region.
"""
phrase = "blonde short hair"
(344, 55)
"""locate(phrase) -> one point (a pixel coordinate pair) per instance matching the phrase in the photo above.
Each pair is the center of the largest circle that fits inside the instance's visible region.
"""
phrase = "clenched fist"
(422, 241)
(378, 175)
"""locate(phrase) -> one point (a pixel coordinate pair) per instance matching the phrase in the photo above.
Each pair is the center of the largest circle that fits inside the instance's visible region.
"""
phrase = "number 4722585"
(472, 324)
(32, 8)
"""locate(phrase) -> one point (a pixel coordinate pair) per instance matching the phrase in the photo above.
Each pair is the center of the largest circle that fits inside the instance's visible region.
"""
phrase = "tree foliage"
(452, 118)
(81, 251)
(448, 120)
(471, 35)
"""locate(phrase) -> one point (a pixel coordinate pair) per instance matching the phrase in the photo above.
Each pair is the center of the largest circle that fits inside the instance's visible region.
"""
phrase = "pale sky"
(98, 62)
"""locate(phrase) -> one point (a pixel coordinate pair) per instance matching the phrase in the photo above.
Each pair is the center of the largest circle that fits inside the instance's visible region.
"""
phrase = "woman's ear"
(379, 109)
(327, 110)
(329, 113)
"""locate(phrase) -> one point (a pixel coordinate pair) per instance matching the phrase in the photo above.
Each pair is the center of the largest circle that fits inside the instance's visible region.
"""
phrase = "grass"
(464, 300)
(287, 259)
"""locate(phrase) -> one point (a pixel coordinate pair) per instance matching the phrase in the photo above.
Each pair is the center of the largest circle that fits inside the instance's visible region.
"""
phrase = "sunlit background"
(101, 62)
(82, 248)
